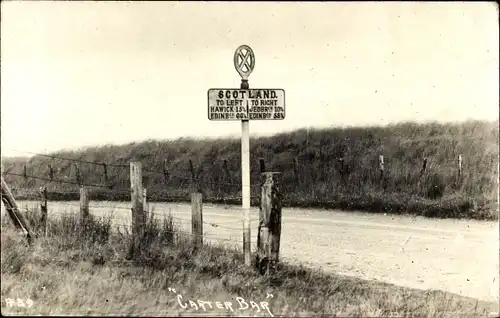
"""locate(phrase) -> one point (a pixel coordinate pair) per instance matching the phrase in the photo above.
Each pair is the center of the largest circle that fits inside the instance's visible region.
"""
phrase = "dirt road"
(452, 255)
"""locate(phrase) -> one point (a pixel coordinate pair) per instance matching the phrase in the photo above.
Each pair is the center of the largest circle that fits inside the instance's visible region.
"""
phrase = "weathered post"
(105, 172)
(228, 180)
(459, 168)
(197, 218)
(381, 166)
(17, 217)
(424, 166)
(269, 232)
(51, 173)
(341, 169)
(77, 172)
(194, 181)
(84, 204)
(196, 209)
(145, 207)
(296, 169)
(137, 201)
(165, 171)
(262, 165)
(43, 209)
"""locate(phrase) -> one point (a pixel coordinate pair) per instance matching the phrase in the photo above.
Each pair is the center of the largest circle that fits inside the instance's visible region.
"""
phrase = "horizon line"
(233, 138)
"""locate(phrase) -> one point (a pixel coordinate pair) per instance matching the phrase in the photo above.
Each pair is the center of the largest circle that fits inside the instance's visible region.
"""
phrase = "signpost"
(245, 104)
(254, 104)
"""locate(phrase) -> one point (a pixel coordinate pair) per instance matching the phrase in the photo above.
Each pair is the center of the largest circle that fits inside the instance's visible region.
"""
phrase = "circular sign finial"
(244, 61)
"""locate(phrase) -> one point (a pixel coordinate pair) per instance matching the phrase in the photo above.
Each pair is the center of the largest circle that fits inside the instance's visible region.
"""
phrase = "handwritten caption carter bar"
(226, 305)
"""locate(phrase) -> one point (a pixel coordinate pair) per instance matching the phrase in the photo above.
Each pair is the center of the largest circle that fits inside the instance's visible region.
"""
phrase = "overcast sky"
(88, 73)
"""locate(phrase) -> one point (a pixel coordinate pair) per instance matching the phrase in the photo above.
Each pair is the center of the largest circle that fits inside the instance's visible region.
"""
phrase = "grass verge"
(92, 269)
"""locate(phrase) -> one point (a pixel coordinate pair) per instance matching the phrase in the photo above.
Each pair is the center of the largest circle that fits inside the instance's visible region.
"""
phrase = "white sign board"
(246, 104)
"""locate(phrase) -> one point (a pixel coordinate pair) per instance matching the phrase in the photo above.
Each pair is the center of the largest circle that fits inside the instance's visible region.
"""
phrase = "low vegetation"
(91, 268)
(319, 178)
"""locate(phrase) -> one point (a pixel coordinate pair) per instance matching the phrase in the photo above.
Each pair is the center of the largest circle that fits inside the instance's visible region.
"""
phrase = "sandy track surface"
(459, 256)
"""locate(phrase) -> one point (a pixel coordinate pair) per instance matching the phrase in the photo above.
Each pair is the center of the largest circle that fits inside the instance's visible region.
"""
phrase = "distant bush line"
(334, 168)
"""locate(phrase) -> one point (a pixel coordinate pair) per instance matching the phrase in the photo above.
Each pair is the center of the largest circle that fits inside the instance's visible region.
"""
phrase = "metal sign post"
(244, 62)
(245, 104)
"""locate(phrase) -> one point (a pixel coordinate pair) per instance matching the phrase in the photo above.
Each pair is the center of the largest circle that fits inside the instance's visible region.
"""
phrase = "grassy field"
(319, 179)
(91, 269)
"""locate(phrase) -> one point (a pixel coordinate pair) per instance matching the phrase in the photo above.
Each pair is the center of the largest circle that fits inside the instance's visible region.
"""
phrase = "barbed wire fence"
(378, 170)
(75, 177)
(110, 185)
(124, 218)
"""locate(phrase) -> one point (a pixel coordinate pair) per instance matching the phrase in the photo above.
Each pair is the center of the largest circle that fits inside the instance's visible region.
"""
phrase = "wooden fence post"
(145, 207)
(105, 173)
(296, 169)
(196, 209)
(341, 169)
(262, 165)
(194, 181)
(78, 177)
(165, 171)
(459, 168)
(228, 180)
(15, 215)
(43, 209)
(269, 233)
(197, 218)
(381, 166)
(51, 173)
(424, 166)
(84, 204)
(137, 201)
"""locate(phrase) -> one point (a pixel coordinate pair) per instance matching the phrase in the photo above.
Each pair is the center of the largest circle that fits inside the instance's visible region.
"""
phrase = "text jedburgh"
(246, 104)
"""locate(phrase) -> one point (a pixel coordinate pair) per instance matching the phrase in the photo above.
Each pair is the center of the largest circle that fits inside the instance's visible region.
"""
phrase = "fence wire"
(153, 196)
(123, 210)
